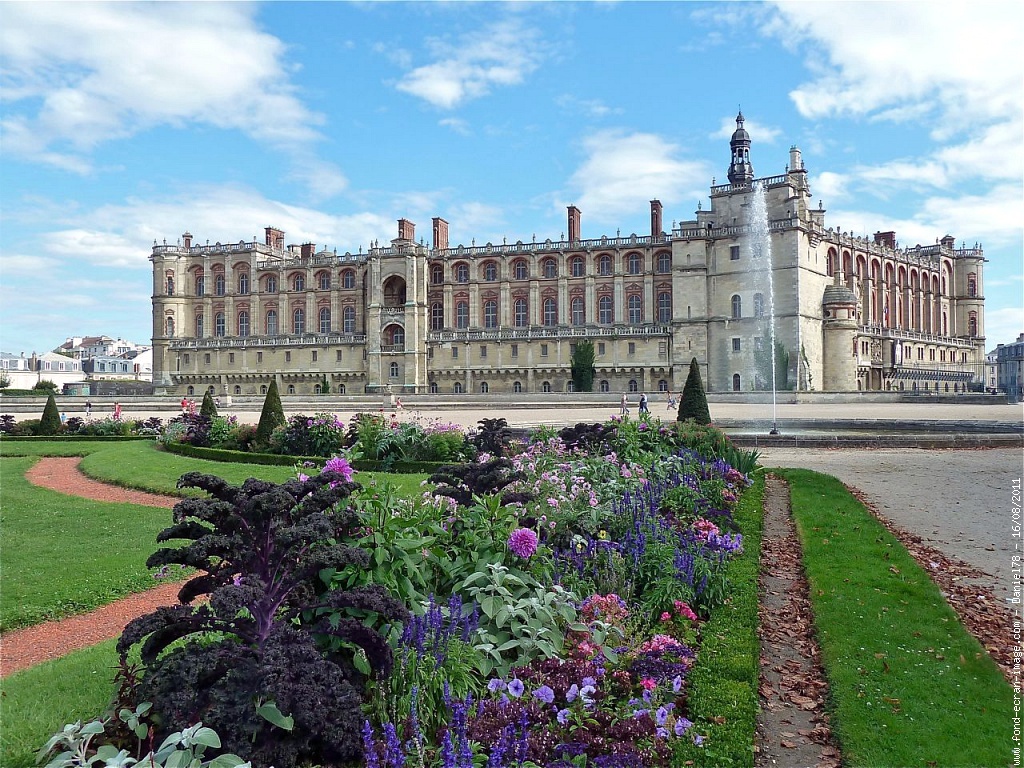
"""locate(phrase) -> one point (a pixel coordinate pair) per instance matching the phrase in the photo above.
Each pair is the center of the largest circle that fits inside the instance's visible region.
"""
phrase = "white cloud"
(762, 134)
(25, 264)
(1003, 325)
(622, 172)
(458, 125)
(79, 74)
(829, 185)
(587, 107)
(500, 55)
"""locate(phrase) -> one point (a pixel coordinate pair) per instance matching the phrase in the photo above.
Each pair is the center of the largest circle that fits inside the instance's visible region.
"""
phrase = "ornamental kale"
(253, 663)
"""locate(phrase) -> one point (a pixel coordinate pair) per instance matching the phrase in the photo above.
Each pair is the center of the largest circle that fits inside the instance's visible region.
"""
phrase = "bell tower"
(740, 170)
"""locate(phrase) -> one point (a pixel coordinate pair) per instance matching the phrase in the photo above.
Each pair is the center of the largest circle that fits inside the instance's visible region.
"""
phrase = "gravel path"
(26, 647)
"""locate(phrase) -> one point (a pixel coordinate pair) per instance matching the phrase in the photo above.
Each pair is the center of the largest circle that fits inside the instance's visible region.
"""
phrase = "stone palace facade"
(851, 313)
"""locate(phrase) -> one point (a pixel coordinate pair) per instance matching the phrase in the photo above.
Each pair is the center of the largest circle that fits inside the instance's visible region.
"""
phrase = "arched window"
(396, 337)
(664, 263)
(299, 283)
(219, 284)
(436, 316)
(972, 323)
(735, 382)
(243, 283)
(517, 386)
(271, 324)
(200, 284)
(436, 274)
(605, 386)
(325, 319)
(169, 326)
(341, 389)
(579, 267)
(348, 315)
(550, 312)
(291, 389)
(200, 325)
(190, 390)
(490, 271)
(521, 269)
(490, 314)
(462, 314)
(271, 284)
(664, 307)
(520, 313)
(635, 310)
(243, 322)
(238, 389)
(348, 278)
(569, 386)
(605, 313)
(549, 268)
(462, 273)
(632, 386)
(759, 305)
(457, 387)
(634, 262)
(263, 389)
(299, 321)
(662, 385)
(219, 326)
(484, 389)
(316, 389)
(393, 370)
(604, 264)
(324, 280)
(545, 386)
(737, 306)
(972, 285)
(577, 311)
(433, 387)
(170, 285)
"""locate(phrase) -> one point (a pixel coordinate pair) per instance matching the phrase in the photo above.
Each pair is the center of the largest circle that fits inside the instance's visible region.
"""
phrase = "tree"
(583, 369)
(5, 380)
(208, 408)
(693, 404)
(45, 385)
(271, 417)
(50, 423)
(325, 386)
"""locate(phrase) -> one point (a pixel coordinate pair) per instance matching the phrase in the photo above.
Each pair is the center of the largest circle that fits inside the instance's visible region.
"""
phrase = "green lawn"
(909, 685)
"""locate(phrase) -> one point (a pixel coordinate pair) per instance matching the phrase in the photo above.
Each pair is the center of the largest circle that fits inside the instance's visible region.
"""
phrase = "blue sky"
(126, 123)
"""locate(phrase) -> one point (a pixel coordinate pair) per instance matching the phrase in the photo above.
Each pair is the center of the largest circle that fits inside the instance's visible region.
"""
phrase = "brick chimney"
(406, 230)
(187, 239)
(308, 249)
(275, 238)
(888, 239)
(574, 224)
(440, 234)
(656, 226)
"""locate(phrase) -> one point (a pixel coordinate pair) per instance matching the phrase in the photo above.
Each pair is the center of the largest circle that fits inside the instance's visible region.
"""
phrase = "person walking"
(624, 405)
(117, 411)
(643, 404)
(88, 408)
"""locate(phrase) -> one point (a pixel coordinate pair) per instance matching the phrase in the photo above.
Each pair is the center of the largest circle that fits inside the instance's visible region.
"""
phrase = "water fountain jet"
(761, 252)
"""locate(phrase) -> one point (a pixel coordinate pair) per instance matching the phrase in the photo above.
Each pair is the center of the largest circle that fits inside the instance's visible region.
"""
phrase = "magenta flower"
(523, 542)
(341, 466)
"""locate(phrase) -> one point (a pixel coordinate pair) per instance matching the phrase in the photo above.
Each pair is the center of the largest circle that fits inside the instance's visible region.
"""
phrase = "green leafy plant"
(271, 417)
(208, 408)
(693, 404)
(45, 385)
(50, 424)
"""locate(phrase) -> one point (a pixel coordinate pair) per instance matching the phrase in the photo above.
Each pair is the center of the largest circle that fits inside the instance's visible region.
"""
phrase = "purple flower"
(496, 684)
(589, 681)
(563, 716)
(572, 693)
(661, 716)
(682, 726)
(698, 740)
(523, 542)
(369, 748)
(340, 465)
(662, 733)
(677, 683)
(545, 694)
(515, 688)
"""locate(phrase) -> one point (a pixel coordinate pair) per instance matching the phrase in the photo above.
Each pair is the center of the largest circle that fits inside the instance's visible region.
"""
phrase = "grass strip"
(64, 555)
(909, 685)
(722, 686)
(37, 702)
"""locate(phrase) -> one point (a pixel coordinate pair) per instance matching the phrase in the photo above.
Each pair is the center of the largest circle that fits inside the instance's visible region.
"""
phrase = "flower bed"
(556, 593)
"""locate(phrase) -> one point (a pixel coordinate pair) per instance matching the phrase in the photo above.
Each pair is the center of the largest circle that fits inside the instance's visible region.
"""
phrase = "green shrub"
(208, 408)
(44, 385)
(50, 423)
(26, 428)
(272, 416)
(693, 404)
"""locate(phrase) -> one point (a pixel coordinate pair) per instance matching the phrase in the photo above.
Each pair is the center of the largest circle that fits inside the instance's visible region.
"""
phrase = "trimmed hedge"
(75, 438)
(280, 460)
(723, 699)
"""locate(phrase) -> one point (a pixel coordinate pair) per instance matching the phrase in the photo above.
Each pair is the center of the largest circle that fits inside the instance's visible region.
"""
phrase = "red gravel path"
(26, 647)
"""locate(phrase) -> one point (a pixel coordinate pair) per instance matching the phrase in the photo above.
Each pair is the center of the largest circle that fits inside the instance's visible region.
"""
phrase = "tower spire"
(740, 170)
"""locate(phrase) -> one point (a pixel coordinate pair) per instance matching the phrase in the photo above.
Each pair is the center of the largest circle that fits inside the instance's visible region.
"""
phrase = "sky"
(123, 124)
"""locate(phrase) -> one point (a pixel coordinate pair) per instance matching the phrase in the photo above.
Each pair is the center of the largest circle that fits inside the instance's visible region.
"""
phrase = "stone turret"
(839, 363)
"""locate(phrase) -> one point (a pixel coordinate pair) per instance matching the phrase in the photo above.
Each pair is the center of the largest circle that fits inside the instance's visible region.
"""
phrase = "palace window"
(735, 382)
(758, 305)
(169, 326)
(736, 344)
(605, 314)
(737, 307)
(483, 351)
(490, 271)
(664, 307)
(170, 285)
(219, 327)
(433, 387)
(325, 320)
(662, 385)
(545, 386)
(632, 386)
(200, 285)
(348, 278)
(271, 324)
(972, 323)
(324, 279)
(550, 312)
(605, 386)
(521, 269)
(634, 264)
(393, 370)
(635, 310)
(543, 350)
(520, 313)
(515, 350)
(271, 284)
(243, 323)
(604, 264)
(577, 311)
(462, 273)
(436, 274)
(631, 348)
(219, 285)
(299, 321)
(484, 389)
(199, 325)
(734, 253)
(436, 316)
(490, 314)
(579, 267)
(243, 283)
(299, 283)
(972, 285)
(517, 386)
(549, 268)
(457, 388)
(664, 263)
(462, 314)
(349, 319)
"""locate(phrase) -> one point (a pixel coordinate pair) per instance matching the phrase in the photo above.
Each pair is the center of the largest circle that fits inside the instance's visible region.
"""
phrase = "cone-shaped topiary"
(50, 423)
(208, 408)
(271, 417)
(693, 404)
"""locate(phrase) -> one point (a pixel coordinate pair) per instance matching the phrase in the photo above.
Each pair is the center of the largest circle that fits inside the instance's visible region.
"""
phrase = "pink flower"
(341, 466)
(523, 542)
(666, 616)
(649, 684)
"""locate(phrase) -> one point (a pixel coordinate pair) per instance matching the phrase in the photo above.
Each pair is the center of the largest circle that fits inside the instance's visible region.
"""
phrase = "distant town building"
(1010, 373)
(851, 312)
